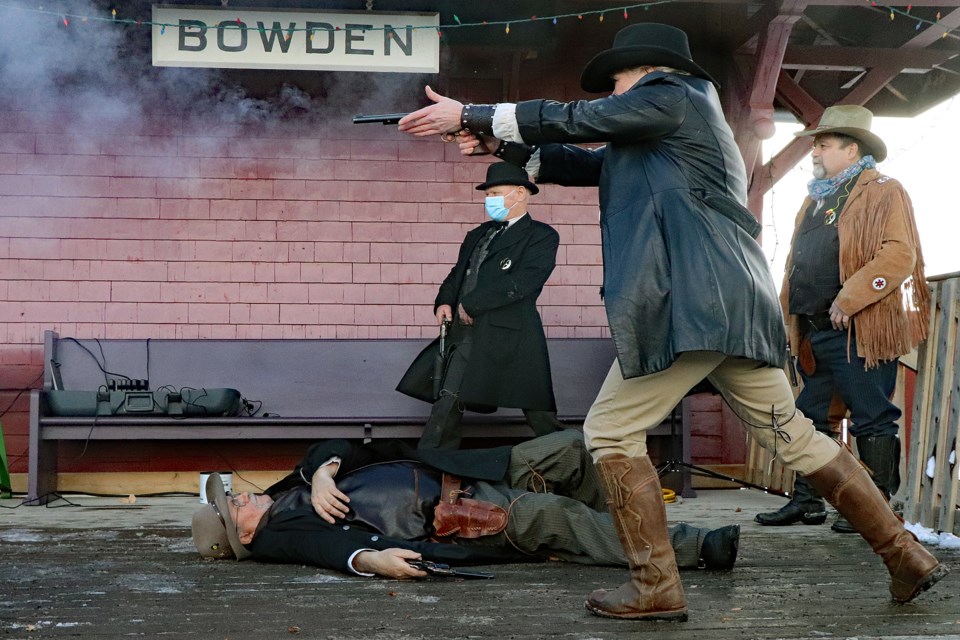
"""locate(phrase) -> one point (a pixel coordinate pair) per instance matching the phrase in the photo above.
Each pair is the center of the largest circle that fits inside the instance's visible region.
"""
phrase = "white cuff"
(533, 165)
(505, 122)
(330, 460)
(350, 563)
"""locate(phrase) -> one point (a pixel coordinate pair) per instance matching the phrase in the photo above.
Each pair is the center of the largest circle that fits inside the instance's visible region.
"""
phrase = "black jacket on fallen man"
(509, 364)
(300, 536)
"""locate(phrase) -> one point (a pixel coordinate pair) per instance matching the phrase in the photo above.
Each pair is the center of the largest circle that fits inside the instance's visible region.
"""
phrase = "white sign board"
(296, 39)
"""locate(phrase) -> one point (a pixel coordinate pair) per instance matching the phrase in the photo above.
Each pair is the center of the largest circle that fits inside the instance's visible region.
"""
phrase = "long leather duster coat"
(682, 271)
(509, 363)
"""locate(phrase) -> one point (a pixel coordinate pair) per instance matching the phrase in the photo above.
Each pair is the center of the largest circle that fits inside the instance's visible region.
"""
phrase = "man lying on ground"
(368, 510)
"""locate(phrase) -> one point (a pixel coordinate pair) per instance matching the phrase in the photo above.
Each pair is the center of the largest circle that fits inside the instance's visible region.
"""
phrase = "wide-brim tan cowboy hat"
(214, 531)
(649, 43)
(853, 121)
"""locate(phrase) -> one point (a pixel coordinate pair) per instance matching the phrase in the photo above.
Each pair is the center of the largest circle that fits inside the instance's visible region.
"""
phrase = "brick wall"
(166, 230)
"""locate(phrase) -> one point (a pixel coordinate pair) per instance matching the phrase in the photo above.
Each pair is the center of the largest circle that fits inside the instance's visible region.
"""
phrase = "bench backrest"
(304, 378)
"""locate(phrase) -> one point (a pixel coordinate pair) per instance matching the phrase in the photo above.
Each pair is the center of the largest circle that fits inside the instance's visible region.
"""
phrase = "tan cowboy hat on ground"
(853, 121)
(214, 532)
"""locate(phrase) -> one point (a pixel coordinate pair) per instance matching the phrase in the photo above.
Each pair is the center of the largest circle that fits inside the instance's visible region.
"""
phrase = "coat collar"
(514, 233)
(866, 177)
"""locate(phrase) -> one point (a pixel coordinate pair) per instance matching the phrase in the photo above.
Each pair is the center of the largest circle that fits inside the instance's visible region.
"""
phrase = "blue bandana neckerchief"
(819, 189)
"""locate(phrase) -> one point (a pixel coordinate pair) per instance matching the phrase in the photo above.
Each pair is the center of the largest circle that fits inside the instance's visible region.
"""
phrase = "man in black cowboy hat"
(687, 291)
(854, 297)
(496, 353)
(367, 510)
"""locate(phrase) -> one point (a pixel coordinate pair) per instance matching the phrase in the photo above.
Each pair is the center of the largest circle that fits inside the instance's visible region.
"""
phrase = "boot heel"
(814, 518)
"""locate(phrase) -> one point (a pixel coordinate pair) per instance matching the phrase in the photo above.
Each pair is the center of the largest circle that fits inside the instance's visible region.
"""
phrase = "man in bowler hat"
(687, 289)
(496, 353)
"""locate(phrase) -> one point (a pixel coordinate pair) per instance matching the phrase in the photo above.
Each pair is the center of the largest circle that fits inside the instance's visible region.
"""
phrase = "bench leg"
(42, 460)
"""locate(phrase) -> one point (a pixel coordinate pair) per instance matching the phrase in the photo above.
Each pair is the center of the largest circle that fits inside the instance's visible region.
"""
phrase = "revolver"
(446, 571)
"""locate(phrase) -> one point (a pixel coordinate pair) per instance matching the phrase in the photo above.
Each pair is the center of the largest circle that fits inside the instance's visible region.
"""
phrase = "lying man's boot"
(805, 506)
(701, 548)
(720, 546)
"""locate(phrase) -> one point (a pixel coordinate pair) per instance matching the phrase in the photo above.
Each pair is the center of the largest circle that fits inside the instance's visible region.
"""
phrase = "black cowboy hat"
(500, 173)
(649, 43)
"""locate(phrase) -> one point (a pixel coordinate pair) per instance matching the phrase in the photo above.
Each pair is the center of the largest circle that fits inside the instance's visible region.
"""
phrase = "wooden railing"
(931, 491)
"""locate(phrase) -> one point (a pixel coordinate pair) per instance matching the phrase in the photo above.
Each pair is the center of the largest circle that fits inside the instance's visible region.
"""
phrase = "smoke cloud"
(52, 61)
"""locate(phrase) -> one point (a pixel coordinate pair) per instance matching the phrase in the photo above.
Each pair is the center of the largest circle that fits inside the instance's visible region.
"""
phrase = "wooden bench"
(301, 389)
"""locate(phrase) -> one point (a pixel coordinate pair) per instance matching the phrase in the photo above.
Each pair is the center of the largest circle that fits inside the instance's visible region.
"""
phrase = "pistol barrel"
(385, 118)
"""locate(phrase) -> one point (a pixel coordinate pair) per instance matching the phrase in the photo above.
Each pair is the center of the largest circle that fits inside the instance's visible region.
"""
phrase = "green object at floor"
(5, 488)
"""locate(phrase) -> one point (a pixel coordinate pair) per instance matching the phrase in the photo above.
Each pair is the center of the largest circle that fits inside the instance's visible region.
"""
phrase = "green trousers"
(556, 506)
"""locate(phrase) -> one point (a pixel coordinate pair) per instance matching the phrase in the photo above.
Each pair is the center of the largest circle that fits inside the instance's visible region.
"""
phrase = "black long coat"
(509, 364)
(681, 269)
(300, 536)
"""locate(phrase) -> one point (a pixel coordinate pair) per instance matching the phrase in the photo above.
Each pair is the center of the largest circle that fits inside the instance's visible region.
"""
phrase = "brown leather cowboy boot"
(654, 591)
(848, 487)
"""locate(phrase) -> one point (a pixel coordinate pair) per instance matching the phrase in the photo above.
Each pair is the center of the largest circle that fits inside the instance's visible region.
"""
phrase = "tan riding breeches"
(757, 392)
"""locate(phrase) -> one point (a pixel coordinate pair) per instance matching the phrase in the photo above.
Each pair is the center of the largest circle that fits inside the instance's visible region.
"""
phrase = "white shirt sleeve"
(505, 122)
(330, 461)
(505, 128)
(350, 563)
(533, 165)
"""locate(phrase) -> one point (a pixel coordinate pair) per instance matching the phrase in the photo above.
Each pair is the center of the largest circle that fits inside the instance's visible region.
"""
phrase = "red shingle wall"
(168, 230)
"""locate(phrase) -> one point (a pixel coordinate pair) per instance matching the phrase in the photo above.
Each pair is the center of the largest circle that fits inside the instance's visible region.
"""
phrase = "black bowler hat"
(500, 173)
(656, 45)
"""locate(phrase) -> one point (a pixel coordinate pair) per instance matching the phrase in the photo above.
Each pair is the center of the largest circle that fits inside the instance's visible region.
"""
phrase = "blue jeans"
(866, 393)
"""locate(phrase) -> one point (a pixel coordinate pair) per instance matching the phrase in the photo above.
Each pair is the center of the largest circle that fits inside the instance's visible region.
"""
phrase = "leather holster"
(456, 516)
(805, 358)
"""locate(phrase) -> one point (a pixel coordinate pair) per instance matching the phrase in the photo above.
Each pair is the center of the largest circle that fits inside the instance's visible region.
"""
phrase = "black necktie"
(479, 254)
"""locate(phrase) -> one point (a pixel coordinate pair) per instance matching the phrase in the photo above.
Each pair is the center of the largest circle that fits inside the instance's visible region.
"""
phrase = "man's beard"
(819, 172)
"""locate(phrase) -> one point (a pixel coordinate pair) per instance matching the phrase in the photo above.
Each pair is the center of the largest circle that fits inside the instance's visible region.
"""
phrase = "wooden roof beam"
(859, 58)
(756, 123)
(800, 102)
(744, 40)
(844, 3)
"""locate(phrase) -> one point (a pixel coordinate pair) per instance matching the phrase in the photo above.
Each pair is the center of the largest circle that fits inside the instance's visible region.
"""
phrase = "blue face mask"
(495, 207)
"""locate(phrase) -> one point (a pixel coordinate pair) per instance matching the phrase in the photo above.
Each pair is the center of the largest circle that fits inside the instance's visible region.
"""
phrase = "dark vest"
(815, 262)
(395, 499)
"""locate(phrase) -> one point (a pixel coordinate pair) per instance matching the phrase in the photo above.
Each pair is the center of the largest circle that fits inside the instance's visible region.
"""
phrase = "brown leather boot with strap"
(848, 487)
(654, 591)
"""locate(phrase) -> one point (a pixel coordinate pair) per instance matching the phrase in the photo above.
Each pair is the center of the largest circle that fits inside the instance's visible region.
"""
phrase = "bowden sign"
(288, 39)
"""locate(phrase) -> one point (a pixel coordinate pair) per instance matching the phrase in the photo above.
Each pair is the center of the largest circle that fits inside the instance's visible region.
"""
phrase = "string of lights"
(238, 24)
(114, 17)
(893, 12)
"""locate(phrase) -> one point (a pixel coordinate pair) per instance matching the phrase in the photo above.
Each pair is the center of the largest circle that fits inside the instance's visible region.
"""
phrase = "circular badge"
(879, 284)
(830, 217)
(505, 264)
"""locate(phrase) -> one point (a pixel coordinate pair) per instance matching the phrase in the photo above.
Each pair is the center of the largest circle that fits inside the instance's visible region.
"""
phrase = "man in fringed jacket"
(855, 298)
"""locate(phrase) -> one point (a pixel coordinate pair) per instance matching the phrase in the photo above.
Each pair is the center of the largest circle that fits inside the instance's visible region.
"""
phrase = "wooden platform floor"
(106, 570)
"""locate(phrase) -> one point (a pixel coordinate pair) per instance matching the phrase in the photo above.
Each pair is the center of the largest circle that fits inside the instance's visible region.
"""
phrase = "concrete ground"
(98, 568)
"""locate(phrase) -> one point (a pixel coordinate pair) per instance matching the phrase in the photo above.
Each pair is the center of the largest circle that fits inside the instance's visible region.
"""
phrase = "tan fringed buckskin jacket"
(881, 269)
